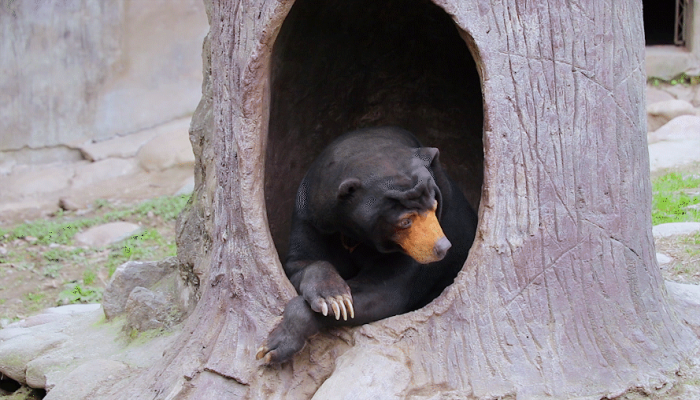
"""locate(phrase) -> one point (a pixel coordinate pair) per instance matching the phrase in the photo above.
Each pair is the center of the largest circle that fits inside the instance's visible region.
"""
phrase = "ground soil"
(30, 280)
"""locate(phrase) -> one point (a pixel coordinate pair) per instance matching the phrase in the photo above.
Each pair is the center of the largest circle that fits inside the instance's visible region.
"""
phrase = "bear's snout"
(441, 248)
(424, 240)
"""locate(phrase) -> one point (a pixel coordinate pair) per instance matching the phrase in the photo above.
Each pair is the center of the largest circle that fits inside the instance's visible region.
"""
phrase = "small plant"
(89, 277)
(51, 270)
(35, 297)
(100, 203)
(681, 79)
(149, 245)
(78, 294)
(671, 199)
(167, 207)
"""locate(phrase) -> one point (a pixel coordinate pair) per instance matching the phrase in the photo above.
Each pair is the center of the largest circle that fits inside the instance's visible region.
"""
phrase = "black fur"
(347, 207)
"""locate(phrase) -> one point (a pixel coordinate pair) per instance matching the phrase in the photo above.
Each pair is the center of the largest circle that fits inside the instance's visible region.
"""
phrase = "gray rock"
(171, 148)
(85, 380)
(103, 235)
(685, 127)
(663, 259)
(187, 187)
(70, 356)
(686, 299)
(658, 114)
(119, 147)
(680, 92)
(29, 180)
(39, 371)
(696, 97)
(18, 351)
(130, 275)
(669, 154)
(675, 228)
(655, 95)
(146, 310)
(89, 173)
(67, 204)
(73, 309)
(6, 166)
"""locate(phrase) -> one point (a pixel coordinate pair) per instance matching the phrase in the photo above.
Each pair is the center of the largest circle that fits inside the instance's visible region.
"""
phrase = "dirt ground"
(35, 274)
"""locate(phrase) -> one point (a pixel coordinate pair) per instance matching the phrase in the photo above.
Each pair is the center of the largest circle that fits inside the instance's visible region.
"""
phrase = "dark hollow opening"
(341, 65)
(659, 21)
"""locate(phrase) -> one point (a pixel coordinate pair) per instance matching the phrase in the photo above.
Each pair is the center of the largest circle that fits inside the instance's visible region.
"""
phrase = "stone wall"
(90, 70)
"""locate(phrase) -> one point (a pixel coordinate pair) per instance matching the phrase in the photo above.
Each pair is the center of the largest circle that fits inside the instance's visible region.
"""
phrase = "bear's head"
(396, 208)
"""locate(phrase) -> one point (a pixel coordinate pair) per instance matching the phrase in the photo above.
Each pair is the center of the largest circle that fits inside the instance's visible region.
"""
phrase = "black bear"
(378, 230)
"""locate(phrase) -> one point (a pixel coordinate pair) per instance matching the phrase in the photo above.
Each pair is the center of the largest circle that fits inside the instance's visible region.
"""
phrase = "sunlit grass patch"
(674, 198)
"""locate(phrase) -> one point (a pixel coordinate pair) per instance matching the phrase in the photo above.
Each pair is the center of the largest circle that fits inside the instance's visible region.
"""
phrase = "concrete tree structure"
(561, 296)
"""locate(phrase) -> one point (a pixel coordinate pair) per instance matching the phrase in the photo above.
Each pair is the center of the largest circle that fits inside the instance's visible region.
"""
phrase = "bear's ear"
(427, 154)
(348, 187)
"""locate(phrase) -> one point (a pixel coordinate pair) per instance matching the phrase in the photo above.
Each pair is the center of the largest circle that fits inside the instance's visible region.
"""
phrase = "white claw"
(260, 353)
(348, 303)
(336, 309)
(343, 310)
(324, 309)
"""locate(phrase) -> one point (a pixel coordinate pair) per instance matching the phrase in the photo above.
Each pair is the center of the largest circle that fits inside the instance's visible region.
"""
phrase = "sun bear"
(378, 230)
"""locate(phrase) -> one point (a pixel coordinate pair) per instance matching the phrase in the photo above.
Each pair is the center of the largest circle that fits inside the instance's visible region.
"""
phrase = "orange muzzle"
(424, 240)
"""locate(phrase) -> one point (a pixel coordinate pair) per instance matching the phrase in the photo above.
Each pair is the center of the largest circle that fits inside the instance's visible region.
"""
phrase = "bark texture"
(561, 296)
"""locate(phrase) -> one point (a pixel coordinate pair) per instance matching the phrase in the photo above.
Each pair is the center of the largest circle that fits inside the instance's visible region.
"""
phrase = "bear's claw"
(340, 305)
(263, 352)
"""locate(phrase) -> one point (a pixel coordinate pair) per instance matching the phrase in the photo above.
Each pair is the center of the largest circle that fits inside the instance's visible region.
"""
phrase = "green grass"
(63, 229)
(75, 293)
(672, 199)
(148, 245)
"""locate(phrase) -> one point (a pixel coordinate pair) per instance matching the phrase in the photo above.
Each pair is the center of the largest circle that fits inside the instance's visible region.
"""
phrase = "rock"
(675, 228)
(90, 173)
(655, 95)
(686, 299)
(696, 98)
(73, 309)
(84, 381)
(187, 187)
(72, 355)
(146, 310)
(661, 112)
(685, 127)
(17, 352)
(119, 147)
(103, 235)
(663, 259)
(129, 276)
(169, 149)
(6, 166)
(680, 92)
(29, 180)
(67, 204)
(669, 154)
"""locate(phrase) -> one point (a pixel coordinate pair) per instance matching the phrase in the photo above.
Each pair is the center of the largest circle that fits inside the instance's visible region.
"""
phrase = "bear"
(378, 230)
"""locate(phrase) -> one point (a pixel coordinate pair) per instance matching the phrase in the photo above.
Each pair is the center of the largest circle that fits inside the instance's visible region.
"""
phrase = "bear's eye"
(405, 223)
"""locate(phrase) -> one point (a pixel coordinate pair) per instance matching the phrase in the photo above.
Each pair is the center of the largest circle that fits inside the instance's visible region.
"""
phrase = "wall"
(82, 70)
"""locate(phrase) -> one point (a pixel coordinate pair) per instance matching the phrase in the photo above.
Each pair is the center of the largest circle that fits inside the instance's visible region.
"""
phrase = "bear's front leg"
(290, 335)
(323, 288)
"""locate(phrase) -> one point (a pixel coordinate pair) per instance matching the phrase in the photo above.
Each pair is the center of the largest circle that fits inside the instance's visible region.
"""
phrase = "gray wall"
(79, 70)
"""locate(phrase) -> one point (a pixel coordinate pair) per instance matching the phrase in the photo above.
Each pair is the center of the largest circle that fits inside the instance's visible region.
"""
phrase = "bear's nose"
(441, 248)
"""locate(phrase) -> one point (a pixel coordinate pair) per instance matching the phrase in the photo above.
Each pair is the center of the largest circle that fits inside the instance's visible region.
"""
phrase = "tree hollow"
(343, 65)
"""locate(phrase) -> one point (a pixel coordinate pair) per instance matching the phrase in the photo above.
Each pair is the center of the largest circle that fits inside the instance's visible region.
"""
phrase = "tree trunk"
(561, 295)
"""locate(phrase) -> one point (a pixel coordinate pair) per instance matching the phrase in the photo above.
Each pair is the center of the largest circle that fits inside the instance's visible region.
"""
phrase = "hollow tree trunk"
(561, 295)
